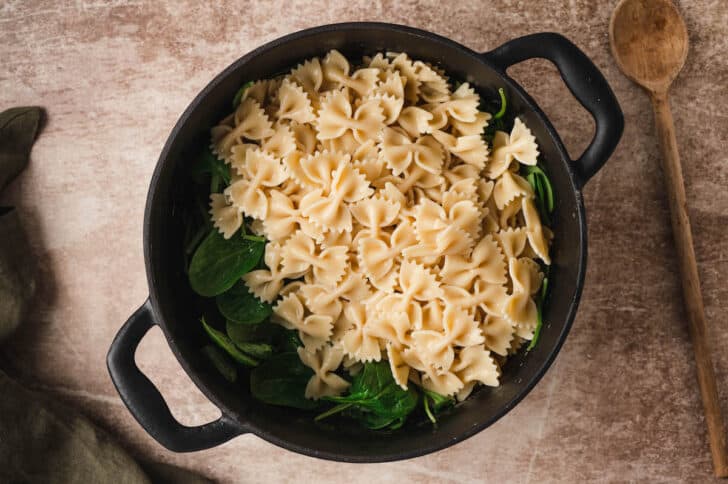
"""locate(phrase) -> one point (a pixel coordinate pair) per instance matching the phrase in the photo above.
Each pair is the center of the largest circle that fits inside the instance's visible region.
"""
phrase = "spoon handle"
(675, 188)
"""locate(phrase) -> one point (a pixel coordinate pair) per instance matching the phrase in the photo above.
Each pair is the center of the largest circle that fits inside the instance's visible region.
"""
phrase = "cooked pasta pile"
(394, 231)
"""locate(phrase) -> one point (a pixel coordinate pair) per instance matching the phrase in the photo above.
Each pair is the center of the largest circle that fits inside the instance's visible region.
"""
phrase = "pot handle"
(585, 82)
(145, 402)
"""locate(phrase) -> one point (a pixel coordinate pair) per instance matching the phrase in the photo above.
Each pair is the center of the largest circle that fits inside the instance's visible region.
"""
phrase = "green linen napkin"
(42, 440)
(18, 128)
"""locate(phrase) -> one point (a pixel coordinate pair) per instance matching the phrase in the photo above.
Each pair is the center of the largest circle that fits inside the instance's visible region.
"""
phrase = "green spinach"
(222, 340)
(251, 333)
(280, 339)
(375, 399)
(239, 95)
(216, 169)
(497, 123)
(374, 421)
(221, 363)
(539, 311)
(194, 238)
(282, 381)
(262, 351)
(253, 339)
(434, 402)
(543, 190)
(503, 104)
(254, 238)
(288, 340)
(238, 305)
(544, 194)
(218, 263)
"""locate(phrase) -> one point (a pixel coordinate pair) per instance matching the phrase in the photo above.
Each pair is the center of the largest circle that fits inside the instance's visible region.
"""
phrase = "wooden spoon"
(650, 42)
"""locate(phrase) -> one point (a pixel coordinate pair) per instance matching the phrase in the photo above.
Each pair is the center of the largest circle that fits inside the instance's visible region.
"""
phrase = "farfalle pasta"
(396, 228)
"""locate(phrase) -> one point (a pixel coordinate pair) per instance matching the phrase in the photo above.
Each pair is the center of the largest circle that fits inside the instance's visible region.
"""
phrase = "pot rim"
(415, 451)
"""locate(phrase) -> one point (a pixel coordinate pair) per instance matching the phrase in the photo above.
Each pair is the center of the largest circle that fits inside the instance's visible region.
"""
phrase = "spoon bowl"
(649, 42)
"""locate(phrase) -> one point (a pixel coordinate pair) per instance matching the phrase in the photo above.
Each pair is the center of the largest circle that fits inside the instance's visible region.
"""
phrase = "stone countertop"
(621, 402)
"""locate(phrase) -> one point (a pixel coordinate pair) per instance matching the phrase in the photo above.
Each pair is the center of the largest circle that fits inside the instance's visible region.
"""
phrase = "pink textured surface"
(620, 403)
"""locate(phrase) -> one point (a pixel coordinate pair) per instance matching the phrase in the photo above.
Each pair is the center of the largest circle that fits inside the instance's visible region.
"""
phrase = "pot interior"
(177, 308)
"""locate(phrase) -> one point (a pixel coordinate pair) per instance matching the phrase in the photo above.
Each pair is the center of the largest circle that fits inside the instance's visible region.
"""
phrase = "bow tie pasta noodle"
(397, 230)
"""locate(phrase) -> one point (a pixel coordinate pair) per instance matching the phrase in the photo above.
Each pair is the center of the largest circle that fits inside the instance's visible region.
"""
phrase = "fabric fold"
(42, 440)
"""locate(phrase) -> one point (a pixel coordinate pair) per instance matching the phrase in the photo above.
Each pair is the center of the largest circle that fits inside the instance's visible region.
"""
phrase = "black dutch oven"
(174, 307)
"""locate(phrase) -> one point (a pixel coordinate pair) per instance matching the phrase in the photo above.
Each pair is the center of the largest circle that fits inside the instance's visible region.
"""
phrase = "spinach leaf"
(254, 238)
(238, 305)
(221, 339)
(193, 241)
(497, 122)
(375, 399)
(539, 311)
(216, 169)
(280, 339)
(373, 421)
(548, 191)
(543, 190)
(197, 226)
(282, 381)
(288, 340)
(539, 181)
(261, 351)
(434, 403)
(219, 263)
(239, 95)
(250, 333)
(221, 363)
(503, 104)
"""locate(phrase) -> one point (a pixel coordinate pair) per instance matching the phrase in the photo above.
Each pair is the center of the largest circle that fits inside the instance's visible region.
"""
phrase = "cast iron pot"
(175, 308)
